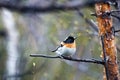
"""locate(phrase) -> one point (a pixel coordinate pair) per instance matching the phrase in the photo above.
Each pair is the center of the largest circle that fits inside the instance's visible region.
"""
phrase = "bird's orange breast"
(69, 45)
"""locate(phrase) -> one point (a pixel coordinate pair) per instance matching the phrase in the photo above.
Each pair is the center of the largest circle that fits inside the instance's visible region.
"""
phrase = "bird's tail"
(54, 50)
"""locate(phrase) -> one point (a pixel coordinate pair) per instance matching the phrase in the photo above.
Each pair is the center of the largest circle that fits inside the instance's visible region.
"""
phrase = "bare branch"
(68, 58)
(90, 22)
(51, 8)
(34, 9)
(117, 31)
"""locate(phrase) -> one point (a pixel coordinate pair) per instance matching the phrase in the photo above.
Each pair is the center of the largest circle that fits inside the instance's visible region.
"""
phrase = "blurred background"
(22, 34)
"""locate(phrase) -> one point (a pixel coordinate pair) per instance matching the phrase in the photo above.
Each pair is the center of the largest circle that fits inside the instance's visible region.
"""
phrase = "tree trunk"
(106, 31)
(12, 52)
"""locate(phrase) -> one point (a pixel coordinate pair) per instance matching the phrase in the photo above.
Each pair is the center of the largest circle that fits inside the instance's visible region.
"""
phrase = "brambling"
(67, 48)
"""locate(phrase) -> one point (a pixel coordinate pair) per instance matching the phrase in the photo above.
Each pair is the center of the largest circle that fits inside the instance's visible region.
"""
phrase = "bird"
(67, 47)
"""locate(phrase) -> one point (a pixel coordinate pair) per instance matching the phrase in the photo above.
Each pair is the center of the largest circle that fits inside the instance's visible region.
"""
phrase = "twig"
(90, 22)
(115, 11)
(117, 31)
(117, 17)
(68, 58)
(110, 13)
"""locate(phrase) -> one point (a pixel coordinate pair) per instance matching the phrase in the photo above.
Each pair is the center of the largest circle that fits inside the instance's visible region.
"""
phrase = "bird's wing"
(57, 48)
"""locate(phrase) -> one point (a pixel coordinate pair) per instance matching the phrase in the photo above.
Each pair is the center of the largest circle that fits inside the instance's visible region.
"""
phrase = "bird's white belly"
(66, 51)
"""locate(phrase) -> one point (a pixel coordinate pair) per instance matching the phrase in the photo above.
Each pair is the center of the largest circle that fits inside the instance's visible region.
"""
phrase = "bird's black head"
(69, 39)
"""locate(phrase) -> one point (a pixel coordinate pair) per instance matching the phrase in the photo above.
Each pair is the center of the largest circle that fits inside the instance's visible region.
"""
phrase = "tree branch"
(88, 21)
(68, 58)
(117, 31)
(51, 8)
(34, 9)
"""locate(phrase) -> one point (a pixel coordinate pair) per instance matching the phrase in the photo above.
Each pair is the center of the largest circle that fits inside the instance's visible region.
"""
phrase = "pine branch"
(68, 58)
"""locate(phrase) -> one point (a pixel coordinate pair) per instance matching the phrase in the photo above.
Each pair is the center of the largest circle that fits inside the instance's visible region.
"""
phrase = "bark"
(106, 31)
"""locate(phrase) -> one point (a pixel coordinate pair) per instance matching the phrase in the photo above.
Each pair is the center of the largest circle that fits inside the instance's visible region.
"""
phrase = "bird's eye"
(61, 45)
